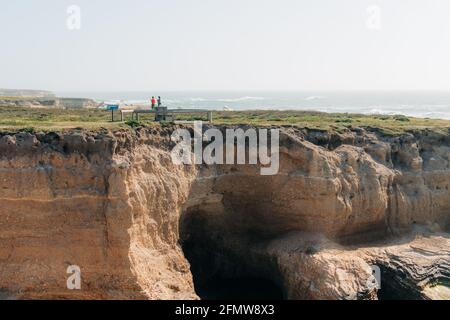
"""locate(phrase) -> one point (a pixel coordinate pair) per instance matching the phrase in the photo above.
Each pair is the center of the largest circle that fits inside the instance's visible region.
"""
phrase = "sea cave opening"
(220, 272)
(394, 286)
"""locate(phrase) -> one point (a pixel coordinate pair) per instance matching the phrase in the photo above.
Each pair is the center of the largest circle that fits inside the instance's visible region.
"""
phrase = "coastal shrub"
(401, 118)
(28, 130)
(344, 120)
(165, 124)
(132, 123)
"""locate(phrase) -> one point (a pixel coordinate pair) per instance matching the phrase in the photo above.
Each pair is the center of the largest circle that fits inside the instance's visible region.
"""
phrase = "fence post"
(210, 117)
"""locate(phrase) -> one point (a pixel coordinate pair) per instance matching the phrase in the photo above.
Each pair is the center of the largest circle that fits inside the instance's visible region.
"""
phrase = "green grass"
(388, 125)
(18, 118)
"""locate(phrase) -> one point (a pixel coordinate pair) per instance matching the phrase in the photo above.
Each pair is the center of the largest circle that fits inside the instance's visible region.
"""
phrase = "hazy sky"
(225, 45)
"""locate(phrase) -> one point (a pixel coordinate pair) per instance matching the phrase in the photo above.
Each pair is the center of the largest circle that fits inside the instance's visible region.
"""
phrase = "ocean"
(425, 104)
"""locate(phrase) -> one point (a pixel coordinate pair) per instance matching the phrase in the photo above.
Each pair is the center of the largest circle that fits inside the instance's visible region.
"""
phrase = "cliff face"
(100, 202)
(48, 102)
(140, 227)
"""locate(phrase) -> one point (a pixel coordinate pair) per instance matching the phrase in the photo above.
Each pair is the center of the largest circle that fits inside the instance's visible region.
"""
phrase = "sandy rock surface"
(140, 227)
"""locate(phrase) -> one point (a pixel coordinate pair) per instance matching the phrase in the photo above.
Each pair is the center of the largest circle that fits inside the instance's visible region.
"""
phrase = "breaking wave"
(227, 99)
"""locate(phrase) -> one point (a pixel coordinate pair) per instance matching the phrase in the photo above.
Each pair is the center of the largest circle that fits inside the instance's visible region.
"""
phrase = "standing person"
(153, 102)
(159, 101)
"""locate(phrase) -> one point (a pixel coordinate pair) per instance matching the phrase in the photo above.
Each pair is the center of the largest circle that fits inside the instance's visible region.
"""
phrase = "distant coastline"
(424, 104)
(41, 99)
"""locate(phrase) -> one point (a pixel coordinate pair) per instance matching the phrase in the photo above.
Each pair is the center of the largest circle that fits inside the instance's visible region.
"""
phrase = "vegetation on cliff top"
(17, 118)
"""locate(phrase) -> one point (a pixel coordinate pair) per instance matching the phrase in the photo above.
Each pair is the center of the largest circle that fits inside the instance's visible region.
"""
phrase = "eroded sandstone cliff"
(139, 226)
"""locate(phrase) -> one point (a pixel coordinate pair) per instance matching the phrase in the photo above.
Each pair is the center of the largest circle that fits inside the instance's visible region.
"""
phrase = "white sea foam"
(311, 98)
(242, 99)
(227, 99)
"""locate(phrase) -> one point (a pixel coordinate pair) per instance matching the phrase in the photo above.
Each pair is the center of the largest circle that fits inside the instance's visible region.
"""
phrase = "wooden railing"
(164, 114)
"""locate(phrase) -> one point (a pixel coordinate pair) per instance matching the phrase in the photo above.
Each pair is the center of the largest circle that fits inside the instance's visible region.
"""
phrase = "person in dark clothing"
(159, 101)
